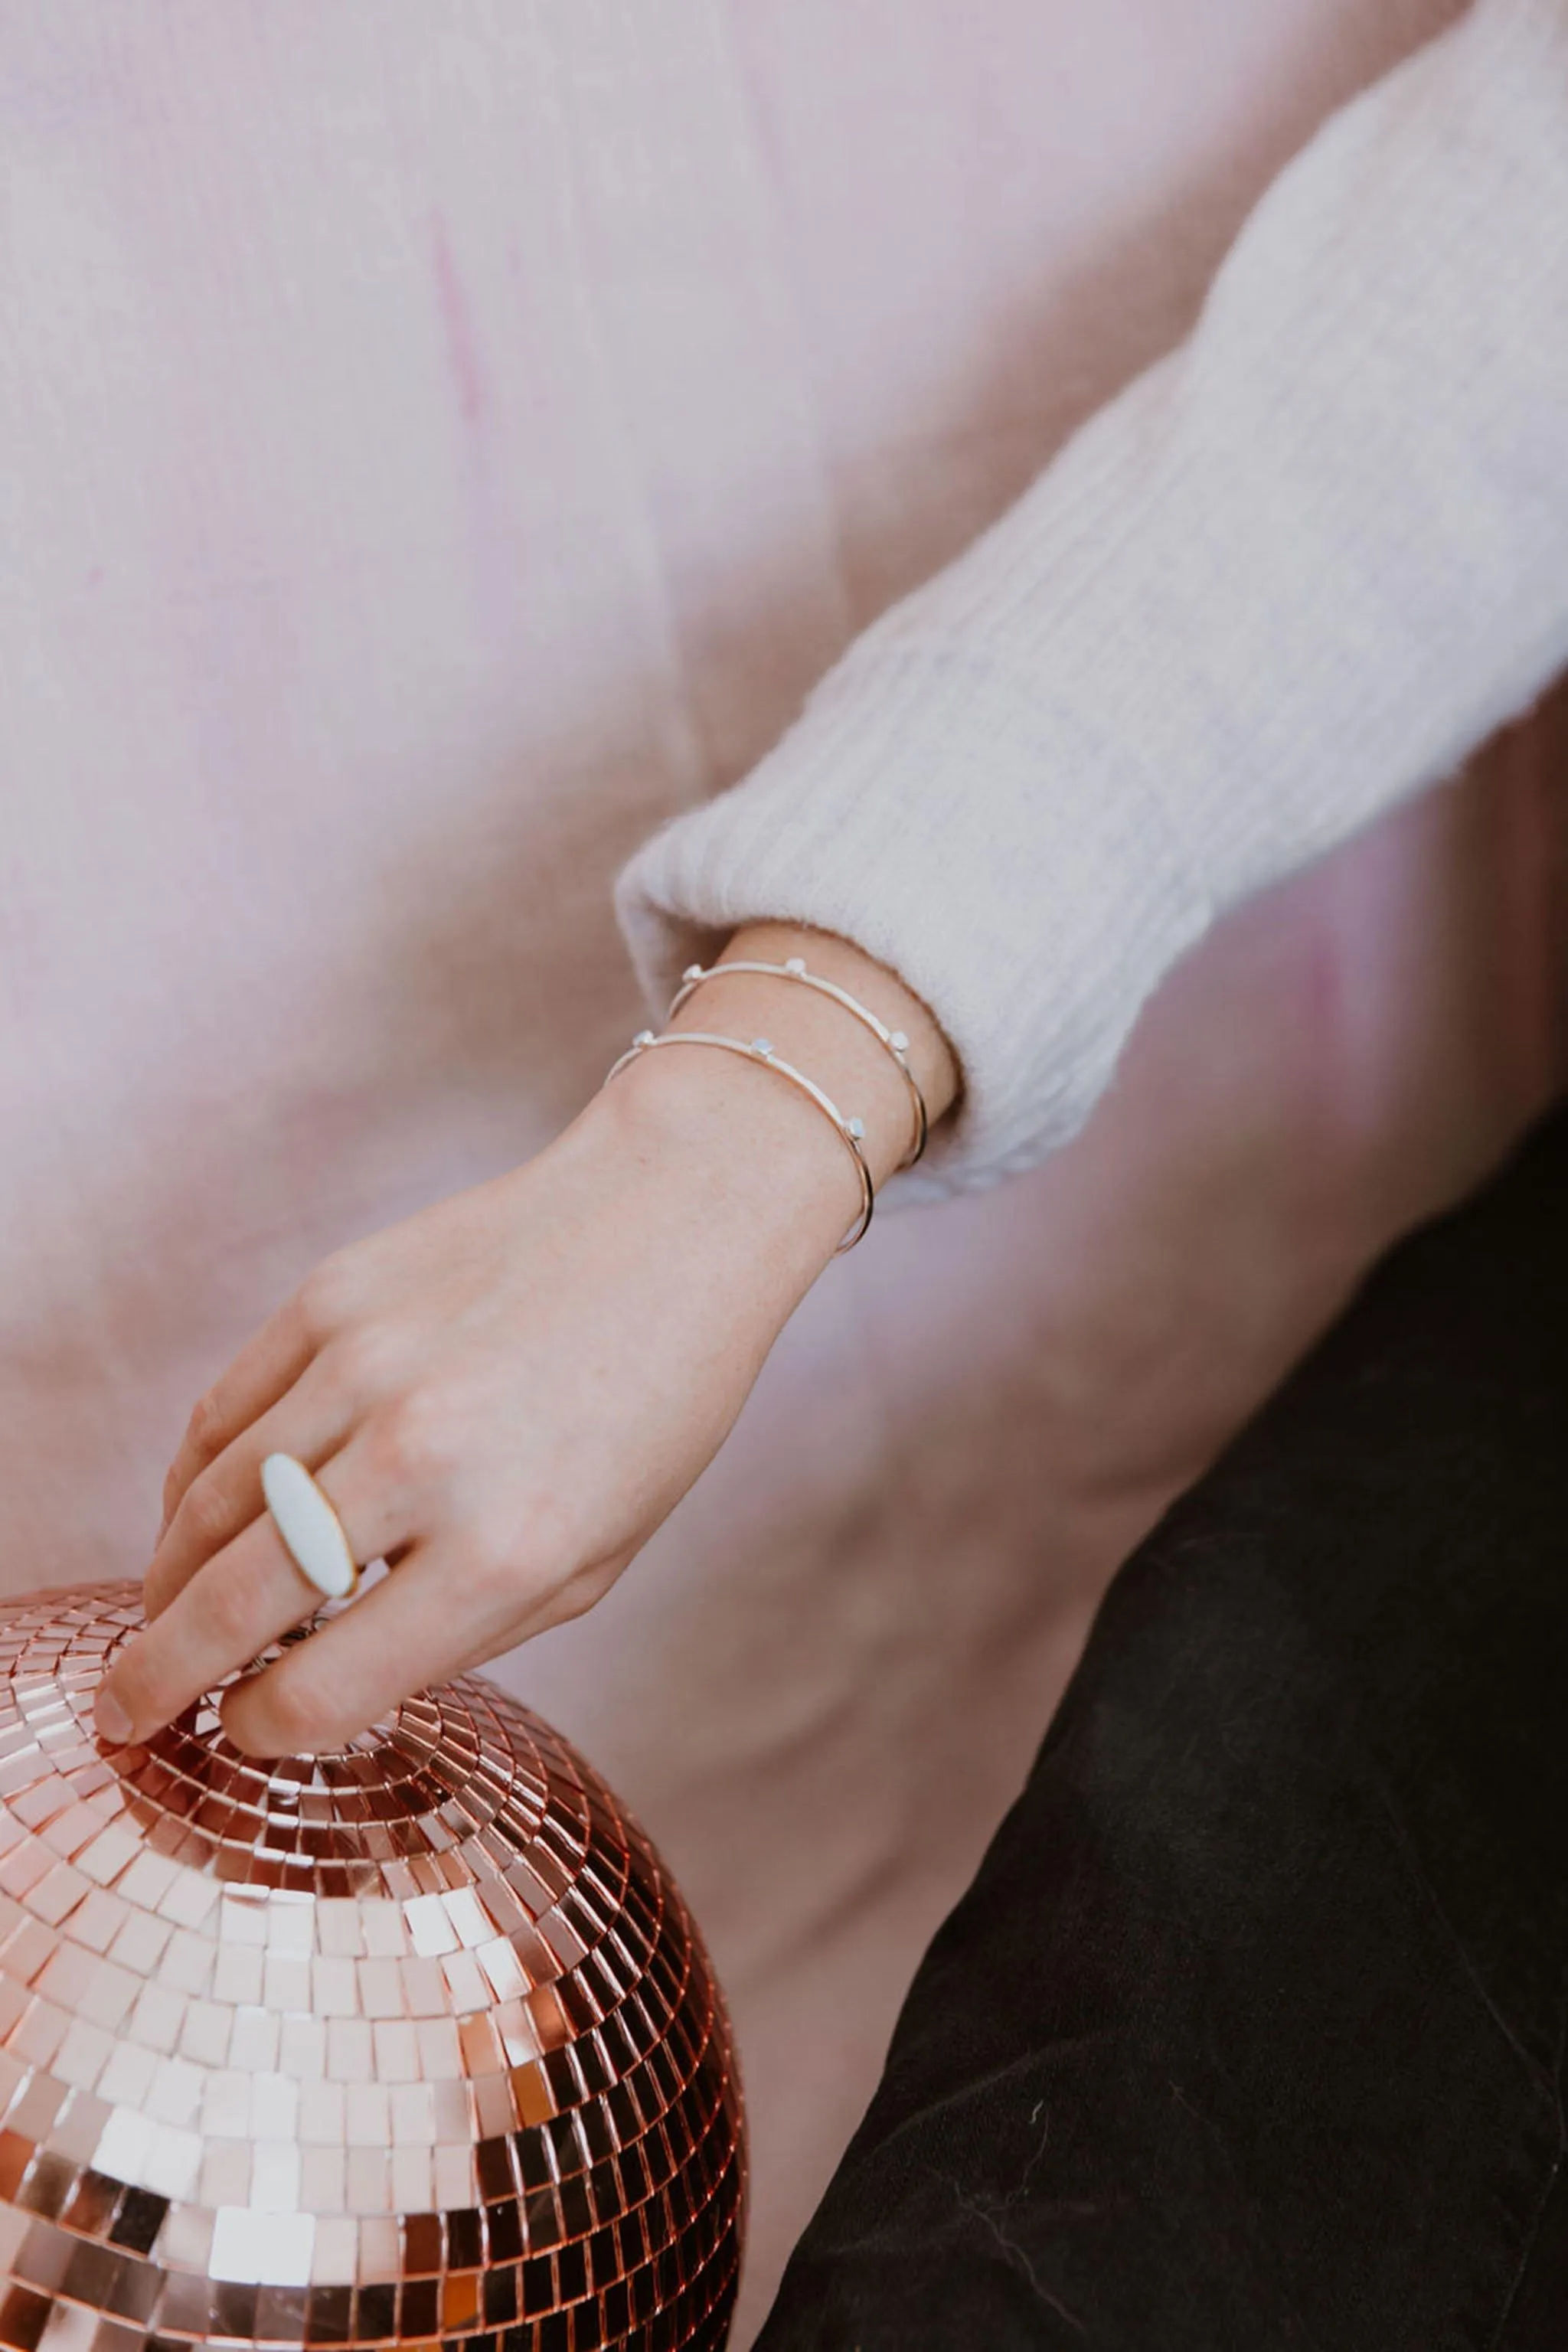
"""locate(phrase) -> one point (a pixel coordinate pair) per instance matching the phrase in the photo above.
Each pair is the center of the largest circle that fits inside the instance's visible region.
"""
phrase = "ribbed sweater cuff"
(1296, 571)
(829, 833)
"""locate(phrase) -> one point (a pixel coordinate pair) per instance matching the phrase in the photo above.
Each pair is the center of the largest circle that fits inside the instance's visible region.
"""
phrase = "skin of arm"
(504, 1395)
(1241, 574)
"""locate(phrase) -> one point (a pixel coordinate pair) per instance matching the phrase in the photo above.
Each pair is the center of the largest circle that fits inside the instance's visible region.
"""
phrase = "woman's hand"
(505, 1395)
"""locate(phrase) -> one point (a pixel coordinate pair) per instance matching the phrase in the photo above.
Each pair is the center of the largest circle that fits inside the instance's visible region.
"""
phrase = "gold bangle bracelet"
(850, 1131)
(893, 1042)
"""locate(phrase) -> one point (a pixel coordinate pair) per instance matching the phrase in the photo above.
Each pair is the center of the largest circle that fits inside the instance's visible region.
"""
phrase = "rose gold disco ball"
(414, 2043)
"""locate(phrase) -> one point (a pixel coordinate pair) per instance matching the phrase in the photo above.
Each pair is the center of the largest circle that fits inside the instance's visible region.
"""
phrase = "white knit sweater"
(1294, 572)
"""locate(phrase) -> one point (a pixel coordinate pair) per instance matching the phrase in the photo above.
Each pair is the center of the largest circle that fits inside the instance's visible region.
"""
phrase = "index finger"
(422, 1624)
(265, 1369)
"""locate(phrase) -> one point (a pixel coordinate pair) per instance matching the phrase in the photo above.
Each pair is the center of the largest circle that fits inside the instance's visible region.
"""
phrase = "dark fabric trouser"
(1250, 2035)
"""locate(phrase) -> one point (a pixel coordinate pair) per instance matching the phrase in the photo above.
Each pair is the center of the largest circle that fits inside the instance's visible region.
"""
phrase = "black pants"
(1250, 2035)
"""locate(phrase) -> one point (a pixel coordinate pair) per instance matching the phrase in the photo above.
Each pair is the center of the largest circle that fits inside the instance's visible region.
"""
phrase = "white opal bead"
(308, 1527)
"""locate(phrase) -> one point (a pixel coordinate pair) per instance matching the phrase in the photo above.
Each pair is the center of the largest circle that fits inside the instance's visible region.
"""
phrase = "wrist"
(752, 1155)
(744, 1144)
(872, 1048)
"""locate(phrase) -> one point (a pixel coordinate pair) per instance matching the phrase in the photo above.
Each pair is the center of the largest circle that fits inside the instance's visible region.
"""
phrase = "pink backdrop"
(437, 445)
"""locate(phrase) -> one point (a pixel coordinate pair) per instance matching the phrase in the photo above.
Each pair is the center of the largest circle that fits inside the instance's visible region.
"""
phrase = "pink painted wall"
(437, 444)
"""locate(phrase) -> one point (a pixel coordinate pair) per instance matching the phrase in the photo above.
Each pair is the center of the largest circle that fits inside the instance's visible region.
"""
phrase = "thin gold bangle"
(850, 1131)
(893, 1042)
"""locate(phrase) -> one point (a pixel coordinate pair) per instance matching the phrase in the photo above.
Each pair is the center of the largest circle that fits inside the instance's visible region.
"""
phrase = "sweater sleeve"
(1296, 571)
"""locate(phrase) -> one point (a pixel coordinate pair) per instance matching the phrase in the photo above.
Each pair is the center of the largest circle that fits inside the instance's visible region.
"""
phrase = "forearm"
(1294, 574)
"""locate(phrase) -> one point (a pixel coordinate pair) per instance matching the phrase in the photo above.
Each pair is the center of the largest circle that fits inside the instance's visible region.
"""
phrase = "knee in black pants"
(1249, 2034)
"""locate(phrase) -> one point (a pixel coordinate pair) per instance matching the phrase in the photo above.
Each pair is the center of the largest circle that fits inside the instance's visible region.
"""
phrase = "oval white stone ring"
(309, 1528)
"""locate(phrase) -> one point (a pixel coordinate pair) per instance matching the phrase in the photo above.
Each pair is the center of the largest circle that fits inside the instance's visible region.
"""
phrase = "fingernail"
(111, 1721)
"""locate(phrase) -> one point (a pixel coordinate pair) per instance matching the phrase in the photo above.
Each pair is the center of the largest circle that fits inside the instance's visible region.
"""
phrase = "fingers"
(417, 1627)
(235, 1605)
(313, 1422)
(442, 1613)
(266, 1368)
